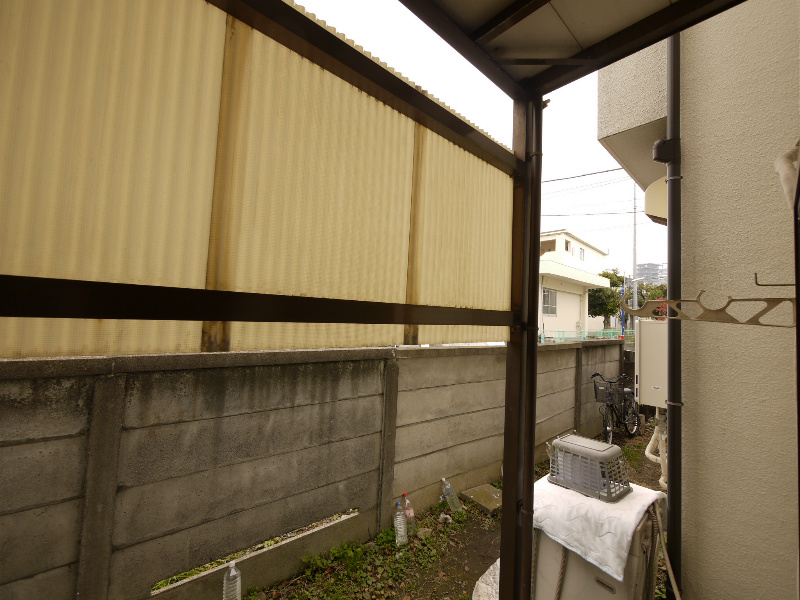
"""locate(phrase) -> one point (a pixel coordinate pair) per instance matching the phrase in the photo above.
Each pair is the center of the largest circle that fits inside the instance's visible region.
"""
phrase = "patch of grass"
(633, 455)
(376, 570)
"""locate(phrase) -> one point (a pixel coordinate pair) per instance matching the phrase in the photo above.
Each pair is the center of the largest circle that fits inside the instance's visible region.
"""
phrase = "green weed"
(633, 455)
(376, 570)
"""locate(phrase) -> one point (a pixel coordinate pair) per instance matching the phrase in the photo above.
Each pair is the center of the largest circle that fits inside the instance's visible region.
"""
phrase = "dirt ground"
(472, 551)
(477, 546)
(642, 471)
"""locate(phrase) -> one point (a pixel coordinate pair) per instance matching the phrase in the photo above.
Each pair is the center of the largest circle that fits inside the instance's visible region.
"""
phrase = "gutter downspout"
(674, 394)
(669, 151)
(797, 347)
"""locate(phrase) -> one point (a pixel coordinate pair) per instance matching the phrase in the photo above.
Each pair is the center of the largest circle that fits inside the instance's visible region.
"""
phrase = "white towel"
(601, 532)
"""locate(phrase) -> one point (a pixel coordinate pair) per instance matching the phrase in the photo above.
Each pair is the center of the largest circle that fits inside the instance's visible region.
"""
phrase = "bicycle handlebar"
(611, 380)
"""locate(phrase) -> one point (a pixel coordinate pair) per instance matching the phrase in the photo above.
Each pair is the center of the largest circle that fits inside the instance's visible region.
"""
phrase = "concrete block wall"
(449, 420)
(605, 358)
(43, 437)
(450, 410)
(555, 393)
(238, 458)
(145, 467)
(121, 471)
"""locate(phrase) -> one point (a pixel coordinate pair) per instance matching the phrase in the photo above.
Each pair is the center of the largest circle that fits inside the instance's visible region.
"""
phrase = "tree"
(604, 302)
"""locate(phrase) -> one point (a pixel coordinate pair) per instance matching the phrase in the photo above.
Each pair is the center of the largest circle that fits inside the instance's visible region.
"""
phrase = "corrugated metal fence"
(169, 144)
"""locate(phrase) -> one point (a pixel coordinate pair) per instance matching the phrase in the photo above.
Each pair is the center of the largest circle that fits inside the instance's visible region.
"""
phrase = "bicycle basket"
(609, 393)
(592, 468)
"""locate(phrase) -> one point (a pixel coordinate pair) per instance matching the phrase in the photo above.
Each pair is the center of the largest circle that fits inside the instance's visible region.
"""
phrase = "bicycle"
(620, 406)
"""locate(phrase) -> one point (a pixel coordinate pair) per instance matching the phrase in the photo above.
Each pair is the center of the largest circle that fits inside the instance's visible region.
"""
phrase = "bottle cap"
(231, 564)
(405, 494)
(398, 503)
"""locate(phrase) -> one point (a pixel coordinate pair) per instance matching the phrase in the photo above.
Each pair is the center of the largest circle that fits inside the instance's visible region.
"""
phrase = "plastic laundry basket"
(595, 469)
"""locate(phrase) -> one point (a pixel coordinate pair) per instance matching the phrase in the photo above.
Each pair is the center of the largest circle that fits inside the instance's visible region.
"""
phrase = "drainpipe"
(797, 334)
(674, 396)
(669, 151)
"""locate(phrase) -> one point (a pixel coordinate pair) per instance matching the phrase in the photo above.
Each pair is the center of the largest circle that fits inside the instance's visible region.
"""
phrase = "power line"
(618, 204)
(582, 188)
(583, 175)
(594, 230)
(624, 212)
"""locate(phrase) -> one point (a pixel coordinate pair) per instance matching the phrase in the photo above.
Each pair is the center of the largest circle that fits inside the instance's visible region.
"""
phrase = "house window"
(567, 245)
(581, 253)
(548, 302)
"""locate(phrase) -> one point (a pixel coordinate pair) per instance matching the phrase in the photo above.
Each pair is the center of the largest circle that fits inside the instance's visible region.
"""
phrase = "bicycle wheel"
(630, 416)
(608, 424)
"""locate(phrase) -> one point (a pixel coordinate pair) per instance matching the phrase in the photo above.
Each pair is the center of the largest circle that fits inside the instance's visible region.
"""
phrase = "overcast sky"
(597, 208)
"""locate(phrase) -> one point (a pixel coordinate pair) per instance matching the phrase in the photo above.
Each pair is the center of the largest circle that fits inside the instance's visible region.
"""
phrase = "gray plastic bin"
(592, 468)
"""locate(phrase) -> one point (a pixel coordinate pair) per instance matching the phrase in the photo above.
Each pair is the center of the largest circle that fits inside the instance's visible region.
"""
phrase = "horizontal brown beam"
(450, 32)
(76, 299)
(290, 28)
(506, 19)
(659, 26)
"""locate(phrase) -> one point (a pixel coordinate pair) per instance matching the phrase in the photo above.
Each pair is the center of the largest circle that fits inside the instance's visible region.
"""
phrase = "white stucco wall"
(632, 111)
(593, 261)
(593, 323)
(571, 306)
(740, 110)
(632, 91)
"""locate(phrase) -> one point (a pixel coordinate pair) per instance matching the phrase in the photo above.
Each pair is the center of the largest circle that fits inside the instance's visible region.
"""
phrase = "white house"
(568, 270)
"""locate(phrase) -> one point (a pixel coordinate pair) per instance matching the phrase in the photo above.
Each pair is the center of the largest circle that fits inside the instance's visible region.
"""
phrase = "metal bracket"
(772, 284)
(717, 315)
(666, 151)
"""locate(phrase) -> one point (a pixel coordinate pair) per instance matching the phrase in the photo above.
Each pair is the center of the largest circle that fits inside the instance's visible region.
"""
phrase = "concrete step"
(487, 497)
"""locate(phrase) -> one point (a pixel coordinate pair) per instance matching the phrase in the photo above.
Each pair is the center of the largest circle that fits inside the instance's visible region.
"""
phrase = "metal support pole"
(521, 361)
(797, 330)
(531, 341)
(674, 396)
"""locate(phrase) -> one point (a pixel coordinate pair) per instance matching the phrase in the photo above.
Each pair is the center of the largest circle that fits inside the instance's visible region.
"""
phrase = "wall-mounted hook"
(772, 284)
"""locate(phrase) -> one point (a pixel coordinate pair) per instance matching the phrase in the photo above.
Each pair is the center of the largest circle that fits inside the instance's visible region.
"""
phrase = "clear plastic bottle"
(400, 535)
(232, 583)
(411, 522)
(450, 495)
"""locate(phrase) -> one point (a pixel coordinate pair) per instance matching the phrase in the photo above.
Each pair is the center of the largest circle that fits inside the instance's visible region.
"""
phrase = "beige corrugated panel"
(317, 194)
(463, 240)
(107, 135)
